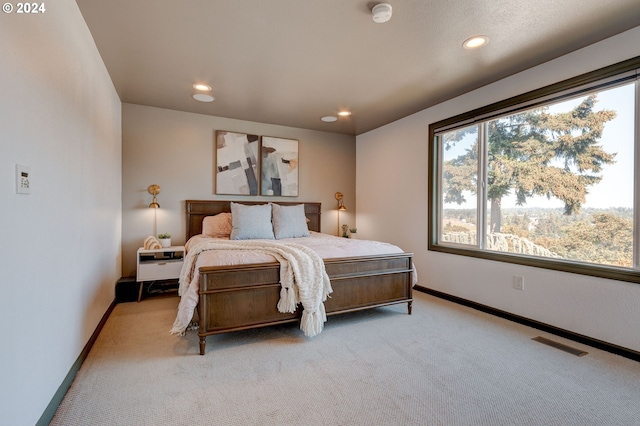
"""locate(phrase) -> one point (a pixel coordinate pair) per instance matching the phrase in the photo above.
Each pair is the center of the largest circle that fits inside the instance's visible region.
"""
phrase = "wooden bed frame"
(242, 297)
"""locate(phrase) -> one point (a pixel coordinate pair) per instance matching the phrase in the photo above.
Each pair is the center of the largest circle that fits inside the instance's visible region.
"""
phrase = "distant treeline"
(593, 235)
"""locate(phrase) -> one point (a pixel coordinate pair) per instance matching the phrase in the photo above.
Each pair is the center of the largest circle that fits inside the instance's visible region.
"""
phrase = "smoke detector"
(381, 13)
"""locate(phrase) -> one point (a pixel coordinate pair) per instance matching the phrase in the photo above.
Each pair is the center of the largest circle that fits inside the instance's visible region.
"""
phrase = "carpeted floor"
(443, 365)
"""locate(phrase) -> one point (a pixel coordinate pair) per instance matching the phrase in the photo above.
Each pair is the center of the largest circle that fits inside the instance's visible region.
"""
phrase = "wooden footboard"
(245, 296)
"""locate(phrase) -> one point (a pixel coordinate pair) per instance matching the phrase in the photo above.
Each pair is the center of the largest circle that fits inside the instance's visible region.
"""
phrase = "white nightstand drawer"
(162, 270)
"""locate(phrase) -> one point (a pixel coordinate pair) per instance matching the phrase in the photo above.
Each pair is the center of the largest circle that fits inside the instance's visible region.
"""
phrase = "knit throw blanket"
(302, 276)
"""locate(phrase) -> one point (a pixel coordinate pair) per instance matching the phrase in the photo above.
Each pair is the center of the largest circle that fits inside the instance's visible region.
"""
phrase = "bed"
(245, 296)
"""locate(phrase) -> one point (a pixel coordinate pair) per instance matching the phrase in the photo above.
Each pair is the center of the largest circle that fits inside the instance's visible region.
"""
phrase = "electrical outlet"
(518, 282)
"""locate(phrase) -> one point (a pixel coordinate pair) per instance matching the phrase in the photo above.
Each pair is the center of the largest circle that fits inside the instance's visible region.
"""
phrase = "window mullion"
(440, 186)
(482, 185)
(636, 174)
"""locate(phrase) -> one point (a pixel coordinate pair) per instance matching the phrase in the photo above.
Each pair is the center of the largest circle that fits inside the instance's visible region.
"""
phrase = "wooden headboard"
(199, 209)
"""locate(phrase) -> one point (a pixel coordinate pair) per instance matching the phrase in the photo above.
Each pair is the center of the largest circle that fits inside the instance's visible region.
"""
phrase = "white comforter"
(325, 246)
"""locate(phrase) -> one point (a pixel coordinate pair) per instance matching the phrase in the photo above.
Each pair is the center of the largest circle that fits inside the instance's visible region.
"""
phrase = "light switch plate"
(23, 179)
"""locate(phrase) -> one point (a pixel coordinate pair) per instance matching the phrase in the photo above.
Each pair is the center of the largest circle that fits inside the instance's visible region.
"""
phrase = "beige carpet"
(443, 365)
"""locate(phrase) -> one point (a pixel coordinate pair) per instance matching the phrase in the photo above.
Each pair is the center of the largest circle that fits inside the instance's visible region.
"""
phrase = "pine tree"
(535, 153)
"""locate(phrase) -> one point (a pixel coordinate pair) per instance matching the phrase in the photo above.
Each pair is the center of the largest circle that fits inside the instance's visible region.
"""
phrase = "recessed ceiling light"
(202, 97)
(202, 87)
(344, 113)
(475, 42)
(329, 118)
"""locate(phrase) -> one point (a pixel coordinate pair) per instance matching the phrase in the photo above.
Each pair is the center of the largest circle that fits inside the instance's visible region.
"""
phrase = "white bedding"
(326, 246)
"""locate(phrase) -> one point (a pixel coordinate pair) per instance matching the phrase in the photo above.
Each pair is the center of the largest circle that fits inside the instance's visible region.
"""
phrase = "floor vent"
(562, 347)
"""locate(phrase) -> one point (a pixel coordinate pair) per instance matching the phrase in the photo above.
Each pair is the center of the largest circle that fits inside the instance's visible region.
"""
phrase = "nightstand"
(158, 264)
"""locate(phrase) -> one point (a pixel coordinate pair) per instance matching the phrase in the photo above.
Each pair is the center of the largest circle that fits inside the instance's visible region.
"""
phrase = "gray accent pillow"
(289, 221)
(251, 222)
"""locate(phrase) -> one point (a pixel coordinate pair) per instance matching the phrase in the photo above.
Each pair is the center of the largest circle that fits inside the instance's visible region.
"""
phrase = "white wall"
(60, 252)
(391, 181)
(176, 151)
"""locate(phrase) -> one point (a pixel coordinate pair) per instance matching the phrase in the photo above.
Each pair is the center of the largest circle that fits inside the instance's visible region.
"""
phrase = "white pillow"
(289, 221)
(251, 222)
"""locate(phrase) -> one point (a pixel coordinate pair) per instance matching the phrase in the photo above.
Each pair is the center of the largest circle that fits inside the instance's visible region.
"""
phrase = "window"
(545, 179)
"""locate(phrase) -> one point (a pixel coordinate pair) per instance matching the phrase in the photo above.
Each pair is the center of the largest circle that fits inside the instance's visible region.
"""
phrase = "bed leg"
(409, 306)
(203, 342)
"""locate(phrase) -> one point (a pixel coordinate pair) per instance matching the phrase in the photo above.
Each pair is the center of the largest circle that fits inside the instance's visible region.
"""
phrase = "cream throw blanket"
(302, 276)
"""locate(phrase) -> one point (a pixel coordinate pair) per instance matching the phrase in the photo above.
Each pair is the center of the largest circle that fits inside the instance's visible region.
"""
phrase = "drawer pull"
(162, 263)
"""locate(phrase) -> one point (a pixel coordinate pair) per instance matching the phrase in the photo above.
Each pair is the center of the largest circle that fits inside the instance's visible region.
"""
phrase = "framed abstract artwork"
(236, 163)
(279, 167)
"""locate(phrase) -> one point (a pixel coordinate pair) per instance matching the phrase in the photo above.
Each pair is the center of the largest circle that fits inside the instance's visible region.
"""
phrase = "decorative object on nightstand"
(345, 230)
(353, 232)
(158, 264)
(165, 239)
(341, 207)
(151, 243)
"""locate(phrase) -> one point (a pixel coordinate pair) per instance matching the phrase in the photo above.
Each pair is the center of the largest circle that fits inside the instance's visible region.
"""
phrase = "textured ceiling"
(290, 62)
